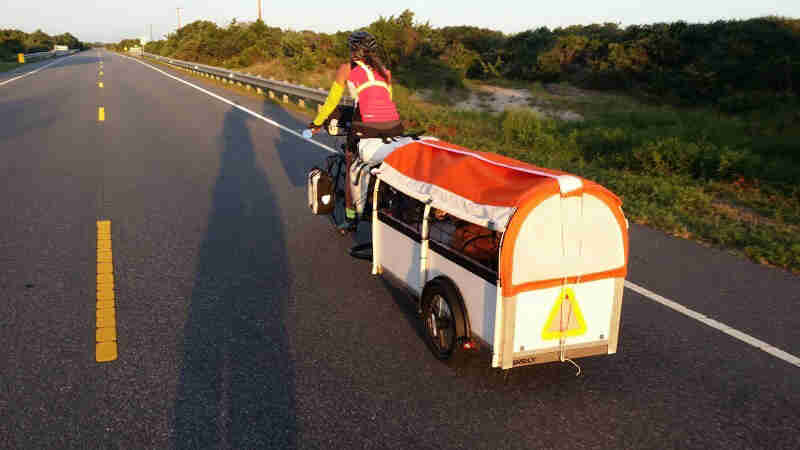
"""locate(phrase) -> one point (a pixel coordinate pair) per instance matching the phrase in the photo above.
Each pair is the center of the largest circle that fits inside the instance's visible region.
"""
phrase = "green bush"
(733, 64)
(525, 128)
(304, 61)
(13, 42)
(251, 55)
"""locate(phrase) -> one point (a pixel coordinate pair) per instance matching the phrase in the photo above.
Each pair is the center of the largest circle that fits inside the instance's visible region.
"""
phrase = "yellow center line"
(106, 325)
(101, 114)
(100, 84)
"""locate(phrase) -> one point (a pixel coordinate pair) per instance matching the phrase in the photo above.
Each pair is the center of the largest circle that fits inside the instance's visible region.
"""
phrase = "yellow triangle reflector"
(565, 319)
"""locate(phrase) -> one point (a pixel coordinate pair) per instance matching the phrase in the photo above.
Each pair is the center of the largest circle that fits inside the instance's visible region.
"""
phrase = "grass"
(8, 65)
(322, 78)
(723, 180)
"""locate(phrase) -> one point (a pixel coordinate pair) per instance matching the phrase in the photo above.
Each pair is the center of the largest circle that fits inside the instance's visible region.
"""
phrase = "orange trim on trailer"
(577, 192)
(615, 204)
(528, 204)
(621, 272)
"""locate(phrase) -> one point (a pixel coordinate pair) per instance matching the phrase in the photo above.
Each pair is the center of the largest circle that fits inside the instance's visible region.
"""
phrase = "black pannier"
(320, 191)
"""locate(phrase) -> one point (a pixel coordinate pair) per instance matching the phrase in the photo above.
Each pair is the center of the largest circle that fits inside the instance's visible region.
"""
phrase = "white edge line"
(746, 338)
(35, 70)
(225, 100)
(761, 345)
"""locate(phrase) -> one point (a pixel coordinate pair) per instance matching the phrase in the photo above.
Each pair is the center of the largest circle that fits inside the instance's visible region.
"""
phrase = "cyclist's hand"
(314, 128)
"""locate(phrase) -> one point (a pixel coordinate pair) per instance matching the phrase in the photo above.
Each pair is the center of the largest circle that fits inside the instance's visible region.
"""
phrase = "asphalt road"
(242, 323)
(26, 69)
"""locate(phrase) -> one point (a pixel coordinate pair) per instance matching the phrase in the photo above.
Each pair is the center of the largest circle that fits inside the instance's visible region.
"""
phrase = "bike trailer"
(545, 285)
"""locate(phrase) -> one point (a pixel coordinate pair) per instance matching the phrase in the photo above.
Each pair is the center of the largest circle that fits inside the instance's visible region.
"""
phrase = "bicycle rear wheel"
(337, 167)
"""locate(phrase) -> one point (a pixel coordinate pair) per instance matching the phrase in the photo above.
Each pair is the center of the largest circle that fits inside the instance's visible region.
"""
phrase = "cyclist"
(369, 83)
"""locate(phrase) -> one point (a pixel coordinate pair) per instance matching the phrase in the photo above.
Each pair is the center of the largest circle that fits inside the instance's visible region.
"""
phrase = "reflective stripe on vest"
(372, 81)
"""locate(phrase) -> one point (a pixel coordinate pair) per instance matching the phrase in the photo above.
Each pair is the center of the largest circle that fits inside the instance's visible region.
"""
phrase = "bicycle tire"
(338, 166)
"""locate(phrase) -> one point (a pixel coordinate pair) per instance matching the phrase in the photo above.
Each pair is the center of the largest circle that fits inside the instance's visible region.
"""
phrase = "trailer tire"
(445, 321)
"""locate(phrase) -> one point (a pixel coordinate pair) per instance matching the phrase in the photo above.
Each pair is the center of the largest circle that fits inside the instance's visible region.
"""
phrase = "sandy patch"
(498, 99)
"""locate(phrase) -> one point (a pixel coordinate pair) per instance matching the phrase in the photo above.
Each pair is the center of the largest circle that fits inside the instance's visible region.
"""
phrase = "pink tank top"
(371, 91)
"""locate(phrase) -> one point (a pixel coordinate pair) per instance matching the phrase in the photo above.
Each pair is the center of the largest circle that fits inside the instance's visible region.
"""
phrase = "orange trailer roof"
(480, 187)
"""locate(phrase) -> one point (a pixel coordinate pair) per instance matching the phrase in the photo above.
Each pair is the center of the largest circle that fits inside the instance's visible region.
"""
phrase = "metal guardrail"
(269, 85)
(44, 55)
(39, 55)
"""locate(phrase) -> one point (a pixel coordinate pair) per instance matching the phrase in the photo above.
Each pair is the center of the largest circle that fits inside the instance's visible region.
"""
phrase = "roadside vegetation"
(14, 42)
(695, 126)
(8, 65)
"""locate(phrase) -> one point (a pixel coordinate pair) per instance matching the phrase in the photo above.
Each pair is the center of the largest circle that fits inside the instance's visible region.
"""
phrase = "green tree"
(38, 41)
(67, 39)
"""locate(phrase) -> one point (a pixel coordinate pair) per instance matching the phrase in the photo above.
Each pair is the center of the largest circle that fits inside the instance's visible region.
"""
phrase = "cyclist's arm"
(335, 94)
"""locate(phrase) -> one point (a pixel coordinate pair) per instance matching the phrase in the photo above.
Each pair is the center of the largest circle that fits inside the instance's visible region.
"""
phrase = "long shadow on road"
(295, 156)
(237, 380)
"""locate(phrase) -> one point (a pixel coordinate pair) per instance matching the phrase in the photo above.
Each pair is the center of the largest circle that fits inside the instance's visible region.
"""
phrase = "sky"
(113, 20)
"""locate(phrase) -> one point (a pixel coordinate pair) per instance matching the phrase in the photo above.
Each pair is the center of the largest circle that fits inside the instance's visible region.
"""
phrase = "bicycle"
(338, 124)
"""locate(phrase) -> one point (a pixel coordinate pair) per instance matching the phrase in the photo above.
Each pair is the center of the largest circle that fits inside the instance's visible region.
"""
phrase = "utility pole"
(259, 9)
(179, 17)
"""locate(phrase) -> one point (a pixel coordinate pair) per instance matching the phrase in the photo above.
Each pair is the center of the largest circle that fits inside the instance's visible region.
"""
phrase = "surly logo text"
(523, 361)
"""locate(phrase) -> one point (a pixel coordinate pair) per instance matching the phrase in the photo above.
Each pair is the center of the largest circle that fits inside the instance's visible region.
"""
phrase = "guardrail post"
(319, 107)
(285, 98)
(21, 58)
(271, 95)
(301, 103)
(259, 90)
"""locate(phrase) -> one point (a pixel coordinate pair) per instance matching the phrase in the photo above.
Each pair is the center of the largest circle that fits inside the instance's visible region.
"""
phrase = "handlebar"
(337, 124)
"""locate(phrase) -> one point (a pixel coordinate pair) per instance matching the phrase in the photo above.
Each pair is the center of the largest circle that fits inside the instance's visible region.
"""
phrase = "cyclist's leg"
(348, 195)
(350, 157)
(349, 221)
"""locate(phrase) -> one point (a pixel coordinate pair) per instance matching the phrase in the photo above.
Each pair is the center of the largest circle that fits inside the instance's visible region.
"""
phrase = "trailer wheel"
(443, 317)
